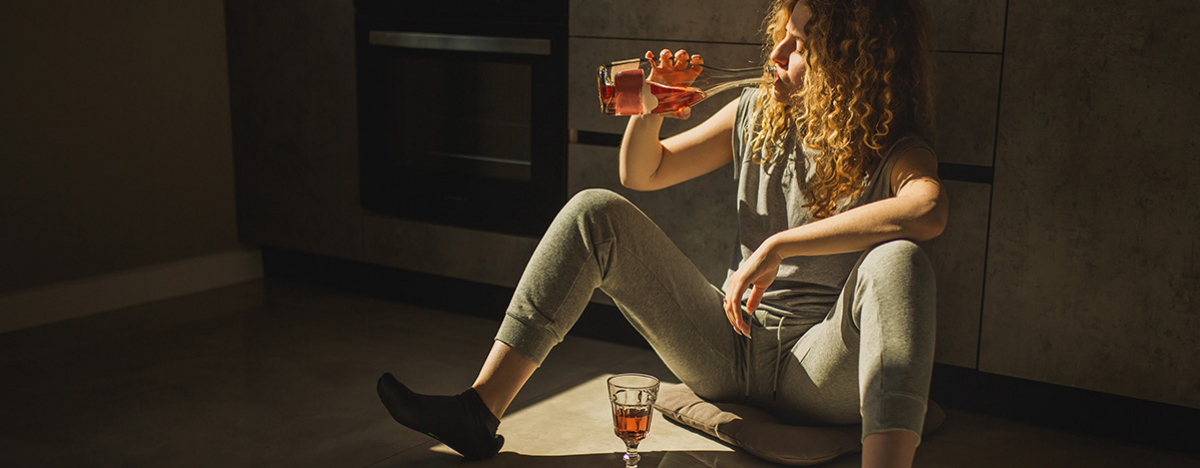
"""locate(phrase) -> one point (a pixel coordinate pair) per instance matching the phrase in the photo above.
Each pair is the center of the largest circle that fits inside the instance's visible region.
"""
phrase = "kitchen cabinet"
(291, 80)
(1092, 274)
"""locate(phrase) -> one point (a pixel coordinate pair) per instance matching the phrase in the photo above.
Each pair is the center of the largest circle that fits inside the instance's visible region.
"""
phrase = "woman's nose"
(777, 56)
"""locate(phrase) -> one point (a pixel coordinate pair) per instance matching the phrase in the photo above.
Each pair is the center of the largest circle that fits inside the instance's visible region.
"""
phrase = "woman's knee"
(896, 284)
(594, 200)
(898, 257)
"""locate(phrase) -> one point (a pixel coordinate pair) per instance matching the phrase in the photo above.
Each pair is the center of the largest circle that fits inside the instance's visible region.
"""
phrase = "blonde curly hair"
(868, 83)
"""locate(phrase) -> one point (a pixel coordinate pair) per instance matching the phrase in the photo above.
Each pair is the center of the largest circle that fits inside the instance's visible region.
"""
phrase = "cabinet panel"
(967, 25)
(958, 260)
(292, 97)
(677, 20)
(959, 25)
(1092, 262)
(967, 93)
(481, 256)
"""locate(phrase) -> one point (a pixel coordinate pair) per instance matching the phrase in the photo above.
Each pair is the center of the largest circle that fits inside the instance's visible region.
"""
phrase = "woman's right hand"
(679, 69)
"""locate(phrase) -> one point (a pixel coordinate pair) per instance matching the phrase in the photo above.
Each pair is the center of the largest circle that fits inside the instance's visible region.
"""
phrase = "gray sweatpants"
(869, 361)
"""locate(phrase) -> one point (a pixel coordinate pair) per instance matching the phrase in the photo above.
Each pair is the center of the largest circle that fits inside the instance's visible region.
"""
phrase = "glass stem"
(631, 455)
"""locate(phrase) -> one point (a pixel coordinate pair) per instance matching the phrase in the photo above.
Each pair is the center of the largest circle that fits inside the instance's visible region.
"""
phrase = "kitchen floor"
(275, 373)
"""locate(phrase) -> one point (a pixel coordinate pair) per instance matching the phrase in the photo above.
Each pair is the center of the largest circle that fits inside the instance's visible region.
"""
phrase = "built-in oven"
(462, 111)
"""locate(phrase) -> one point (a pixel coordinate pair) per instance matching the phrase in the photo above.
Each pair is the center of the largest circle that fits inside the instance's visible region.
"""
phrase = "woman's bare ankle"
(503, 374)
(890, 449)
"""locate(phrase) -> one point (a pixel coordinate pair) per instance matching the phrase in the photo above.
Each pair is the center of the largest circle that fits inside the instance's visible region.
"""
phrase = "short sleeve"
(744, 114)
(904, 144)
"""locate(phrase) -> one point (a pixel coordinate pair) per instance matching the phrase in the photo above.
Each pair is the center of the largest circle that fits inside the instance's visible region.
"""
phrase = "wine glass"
(632, 397)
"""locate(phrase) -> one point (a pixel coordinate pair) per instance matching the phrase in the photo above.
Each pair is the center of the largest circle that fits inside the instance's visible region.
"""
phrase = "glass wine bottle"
(628, 87)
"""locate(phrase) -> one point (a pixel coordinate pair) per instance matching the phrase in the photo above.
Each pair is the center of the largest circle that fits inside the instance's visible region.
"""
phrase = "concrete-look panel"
(1092, 262)
(295, 141)
(959, 25)
(698, 215)
(677, 20)
(967, 94)
(586, 56)
(480, 256)
(967, 25)
(958, 260)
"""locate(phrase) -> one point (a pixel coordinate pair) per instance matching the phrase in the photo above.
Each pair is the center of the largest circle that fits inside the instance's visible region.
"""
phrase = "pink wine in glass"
(631, 423)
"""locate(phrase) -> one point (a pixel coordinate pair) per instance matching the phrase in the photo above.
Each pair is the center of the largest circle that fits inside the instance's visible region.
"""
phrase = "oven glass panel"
(459, 114)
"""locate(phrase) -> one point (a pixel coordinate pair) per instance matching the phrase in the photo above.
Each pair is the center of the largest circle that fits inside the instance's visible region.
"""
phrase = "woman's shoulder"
(908, 142)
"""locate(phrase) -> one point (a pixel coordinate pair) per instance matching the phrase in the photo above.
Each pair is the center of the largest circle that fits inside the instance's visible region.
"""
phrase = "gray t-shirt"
(771, 198)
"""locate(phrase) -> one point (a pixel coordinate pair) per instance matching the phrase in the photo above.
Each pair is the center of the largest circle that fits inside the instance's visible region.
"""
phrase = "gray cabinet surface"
(958, 261)
(480, 256)
(669, 20)
(966, 99)
(1092, 274)
(967, 25)
(292, 93)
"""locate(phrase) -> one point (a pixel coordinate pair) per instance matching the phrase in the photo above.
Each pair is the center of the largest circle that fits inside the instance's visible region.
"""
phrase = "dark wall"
(115, 147)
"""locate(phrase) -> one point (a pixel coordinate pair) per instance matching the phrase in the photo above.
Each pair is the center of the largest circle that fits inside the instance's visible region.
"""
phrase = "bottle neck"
(713, 80)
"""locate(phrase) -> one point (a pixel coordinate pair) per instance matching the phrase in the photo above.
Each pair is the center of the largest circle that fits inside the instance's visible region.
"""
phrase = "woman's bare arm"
(650, 164)
(917, 212)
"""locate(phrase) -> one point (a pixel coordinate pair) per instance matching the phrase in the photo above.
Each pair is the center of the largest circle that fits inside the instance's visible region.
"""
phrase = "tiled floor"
(279, 374)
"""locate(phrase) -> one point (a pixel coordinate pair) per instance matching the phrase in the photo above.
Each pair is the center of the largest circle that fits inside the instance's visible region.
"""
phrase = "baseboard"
(78, 298)
(1114, 417)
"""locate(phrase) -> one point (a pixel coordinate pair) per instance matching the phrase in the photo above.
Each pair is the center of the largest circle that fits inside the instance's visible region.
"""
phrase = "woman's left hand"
(757, 272)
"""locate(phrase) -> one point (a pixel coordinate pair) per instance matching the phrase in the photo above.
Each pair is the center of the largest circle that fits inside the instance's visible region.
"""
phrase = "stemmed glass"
(632, 397)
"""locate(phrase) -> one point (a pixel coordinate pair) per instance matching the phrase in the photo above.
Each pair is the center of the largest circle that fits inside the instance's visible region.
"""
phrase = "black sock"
(462, 422)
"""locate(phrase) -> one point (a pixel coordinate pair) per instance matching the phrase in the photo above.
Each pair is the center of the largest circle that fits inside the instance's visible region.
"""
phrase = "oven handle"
(505, 45)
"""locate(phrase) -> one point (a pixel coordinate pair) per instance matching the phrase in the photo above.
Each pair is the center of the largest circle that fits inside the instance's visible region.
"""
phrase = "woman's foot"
(462, 422)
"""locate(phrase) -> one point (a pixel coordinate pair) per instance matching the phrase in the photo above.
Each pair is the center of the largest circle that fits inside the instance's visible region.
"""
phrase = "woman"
(827, 314)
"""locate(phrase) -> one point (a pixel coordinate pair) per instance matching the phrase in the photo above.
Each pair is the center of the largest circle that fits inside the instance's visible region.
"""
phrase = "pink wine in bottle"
(625, 87)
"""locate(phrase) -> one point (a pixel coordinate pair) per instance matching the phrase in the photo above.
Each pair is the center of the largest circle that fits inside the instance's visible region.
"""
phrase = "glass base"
(631, 458)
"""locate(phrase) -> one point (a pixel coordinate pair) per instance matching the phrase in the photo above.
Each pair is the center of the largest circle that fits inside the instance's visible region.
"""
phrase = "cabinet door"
(958, 261)
(670, 20)
(1092, 260)
(295, 143)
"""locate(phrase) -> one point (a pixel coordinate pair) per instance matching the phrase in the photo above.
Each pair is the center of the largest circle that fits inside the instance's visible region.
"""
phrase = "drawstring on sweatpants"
(778, 356)
(749, 358)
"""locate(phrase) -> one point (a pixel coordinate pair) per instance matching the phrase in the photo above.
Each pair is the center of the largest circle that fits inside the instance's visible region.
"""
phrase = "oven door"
(465, 130)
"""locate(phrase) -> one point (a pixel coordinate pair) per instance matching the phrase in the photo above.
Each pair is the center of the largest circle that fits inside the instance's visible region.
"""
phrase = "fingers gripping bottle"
(635, 87)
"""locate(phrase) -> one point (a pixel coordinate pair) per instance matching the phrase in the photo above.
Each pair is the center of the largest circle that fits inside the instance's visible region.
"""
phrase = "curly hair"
(868, 83)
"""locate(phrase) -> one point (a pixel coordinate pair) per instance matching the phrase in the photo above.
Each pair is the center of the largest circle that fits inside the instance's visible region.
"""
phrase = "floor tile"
(274, 373)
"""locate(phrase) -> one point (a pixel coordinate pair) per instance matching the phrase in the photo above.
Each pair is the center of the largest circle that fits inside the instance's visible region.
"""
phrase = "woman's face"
(787, 56)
